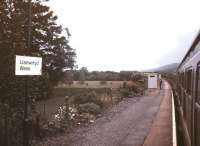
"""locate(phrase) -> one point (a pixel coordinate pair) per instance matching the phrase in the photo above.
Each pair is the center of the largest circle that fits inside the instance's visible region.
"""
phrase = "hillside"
(170, 68)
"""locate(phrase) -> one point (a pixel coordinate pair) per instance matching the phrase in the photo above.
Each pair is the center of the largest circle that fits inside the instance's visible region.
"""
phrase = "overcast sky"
(128, 34)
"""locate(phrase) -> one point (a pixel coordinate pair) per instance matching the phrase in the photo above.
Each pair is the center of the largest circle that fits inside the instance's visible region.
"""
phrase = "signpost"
(26, 65)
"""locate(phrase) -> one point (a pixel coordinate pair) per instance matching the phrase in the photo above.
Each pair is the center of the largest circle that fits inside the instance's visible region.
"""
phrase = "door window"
(189, 81)
(198, 85)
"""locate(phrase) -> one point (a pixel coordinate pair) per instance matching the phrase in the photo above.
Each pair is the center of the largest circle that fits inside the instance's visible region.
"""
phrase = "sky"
(128, 34)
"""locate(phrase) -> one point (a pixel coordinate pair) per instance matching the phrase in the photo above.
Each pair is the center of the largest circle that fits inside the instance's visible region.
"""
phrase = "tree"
(47, 42)
(83, 73)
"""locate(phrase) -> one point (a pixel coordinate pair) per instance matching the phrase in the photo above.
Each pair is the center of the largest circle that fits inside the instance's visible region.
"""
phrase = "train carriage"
(188, 88)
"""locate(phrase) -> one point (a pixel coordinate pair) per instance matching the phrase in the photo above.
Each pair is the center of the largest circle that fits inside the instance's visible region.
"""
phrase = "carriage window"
(182, 79)
(178, 78)
(198, 85)
(189, 81)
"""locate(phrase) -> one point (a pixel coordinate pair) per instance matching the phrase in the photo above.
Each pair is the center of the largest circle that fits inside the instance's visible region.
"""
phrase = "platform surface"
(161, 130)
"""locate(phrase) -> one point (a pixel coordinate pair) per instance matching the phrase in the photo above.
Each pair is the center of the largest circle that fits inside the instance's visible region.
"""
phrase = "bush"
(89, 108)
(128, 94)
(79, 99)
(125, 92)
(137, 77)
(90, 97)
(131, 90)
(135, 89)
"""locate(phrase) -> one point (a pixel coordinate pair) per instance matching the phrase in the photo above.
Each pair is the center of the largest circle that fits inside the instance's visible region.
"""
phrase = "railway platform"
(161, 131)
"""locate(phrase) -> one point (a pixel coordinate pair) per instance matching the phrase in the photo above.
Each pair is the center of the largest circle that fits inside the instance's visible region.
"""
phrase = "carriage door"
(197, 109)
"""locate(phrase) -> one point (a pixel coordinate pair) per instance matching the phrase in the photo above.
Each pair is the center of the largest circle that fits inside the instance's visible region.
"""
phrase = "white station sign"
(25, 65)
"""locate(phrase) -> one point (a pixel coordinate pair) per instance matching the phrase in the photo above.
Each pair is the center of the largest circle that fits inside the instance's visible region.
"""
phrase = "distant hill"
(170, 68)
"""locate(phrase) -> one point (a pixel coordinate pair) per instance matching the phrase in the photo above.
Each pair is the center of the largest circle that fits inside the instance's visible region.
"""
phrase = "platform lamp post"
(26, 98)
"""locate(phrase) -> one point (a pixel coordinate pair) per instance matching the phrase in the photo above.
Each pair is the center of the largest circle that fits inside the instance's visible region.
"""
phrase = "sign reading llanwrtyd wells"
(25, 65)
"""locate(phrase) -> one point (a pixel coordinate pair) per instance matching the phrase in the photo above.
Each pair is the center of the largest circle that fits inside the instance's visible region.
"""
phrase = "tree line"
(84, 75)
(48, 42)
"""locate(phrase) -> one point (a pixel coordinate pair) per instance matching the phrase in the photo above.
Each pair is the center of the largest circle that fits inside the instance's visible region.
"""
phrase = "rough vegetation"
(89, 107)
(46, 42)
(85, 105)
(90, 97)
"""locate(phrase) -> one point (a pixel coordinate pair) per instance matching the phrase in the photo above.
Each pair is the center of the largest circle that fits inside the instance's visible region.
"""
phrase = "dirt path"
(126, 124)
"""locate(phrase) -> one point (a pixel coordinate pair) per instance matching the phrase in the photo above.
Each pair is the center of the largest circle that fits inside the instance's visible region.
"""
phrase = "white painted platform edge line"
(174, 140)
